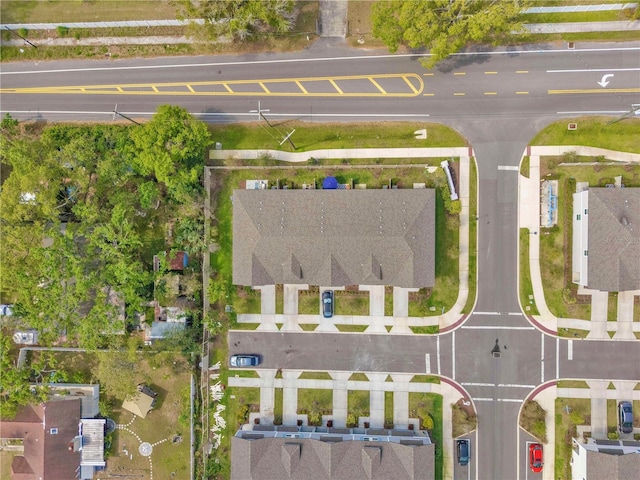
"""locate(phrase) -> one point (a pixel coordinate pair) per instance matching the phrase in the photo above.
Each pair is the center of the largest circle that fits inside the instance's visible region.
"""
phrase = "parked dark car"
(244, 360)
(327, 304)
(625, 417)
(464, 452)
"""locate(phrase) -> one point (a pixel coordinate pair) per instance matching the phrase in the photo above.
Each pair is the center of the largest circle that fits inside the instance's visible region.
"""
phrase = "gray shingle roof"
(614, 239)
(334, 237)
(283, 458)
(604, 466)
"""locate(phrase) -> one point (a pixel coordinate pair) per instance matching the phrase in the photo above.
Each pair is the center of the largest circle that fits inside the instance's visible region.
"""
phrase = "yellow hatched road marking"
(377, 85)
(411, 85)
(261, 87)
(299, 84)
(596, 90)
(335, 85)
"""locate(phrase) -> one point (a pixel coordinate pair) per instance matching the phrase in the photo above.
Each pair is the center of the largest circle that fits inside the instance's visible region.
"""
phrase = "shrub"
(427, 423)
(532, 419)
(613, 436)
(314, 418)
(23, 32)
(352, 421)
(62, 30)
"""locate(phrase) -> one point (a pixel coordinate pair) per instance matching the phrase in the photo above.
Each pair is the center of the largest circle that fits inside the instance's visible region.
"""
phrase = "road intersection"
(498, 100)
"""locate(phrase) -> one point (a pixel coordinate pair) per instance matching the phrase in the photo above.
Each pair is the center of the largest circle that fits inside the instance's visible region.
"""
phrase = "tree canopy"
(238, 19)
(84, 209)
(443, 26)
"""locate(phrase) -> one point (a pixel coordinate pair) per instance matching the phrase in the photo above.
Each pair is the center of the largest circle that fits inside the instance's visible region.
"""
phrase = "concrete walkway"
(529, 217)
(582, 8)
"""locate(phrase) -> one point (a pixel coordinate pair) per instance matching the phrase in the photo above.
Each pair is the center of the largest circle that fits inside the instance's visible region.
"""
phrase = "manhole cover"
(145, 449)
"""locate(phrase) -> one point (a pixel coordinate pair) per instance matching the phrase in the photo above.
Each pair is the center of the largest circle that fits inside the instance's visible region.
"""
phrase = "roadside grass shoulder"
(569, 17)
(94, 11)
(310, 136)
(593, 131)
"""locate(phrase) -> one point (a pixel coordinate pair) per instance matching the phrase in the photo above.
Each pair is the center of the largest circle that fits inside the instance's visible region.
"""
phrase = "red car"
(535, 457)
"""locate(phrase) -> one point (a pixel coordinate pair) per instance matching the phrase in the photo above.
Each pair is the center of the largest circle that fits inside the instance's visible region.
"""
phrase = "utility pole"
(20, 36)
(635, 110)
(288, 137)
(116, 112)
(260, 114)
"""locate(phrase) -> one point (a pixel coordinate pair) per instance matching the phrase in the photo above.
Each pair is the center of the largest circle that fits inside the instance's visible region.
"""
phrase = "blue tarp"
(330, 183)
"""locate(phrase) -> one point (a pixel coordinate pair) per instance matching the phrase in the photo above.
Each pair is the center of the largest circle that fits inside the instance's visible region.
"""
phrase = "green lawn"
(312, 400)
(593, 132)
(277, 406)
(473, 236)
(351, 303)
(313, 136)
(309, 302)
(51, 11)
(572, 384)
(578, 413)
(351, 328)
(247, 300)
(603, 16)
(388, 408)
(429, 405)
(425, 379)
(526, 288)
(360, 377)
(315, 376)
(612, 307)
(358, 402)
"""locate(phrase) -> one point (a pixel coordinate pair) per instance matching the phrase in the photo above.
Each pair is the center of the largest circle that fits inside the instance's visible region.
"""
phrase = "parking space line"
(570, 350)
(541, 358)
(557, 357)
(438, 352)
(495, 327)
(427, 361)
(453, 355)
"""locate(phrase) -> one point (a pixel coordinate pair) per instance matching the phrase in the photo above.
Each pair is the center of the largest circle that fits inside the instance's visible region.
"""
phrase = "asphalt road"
(497, 100)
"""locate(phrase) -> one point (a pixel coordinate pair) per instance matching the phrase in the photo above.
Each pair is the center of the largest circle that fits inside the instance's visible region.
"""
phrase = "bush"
(62, 30)
(23, 32)
(532, 419)
(613, 436)
(352, 421)
(314, 419)
(426, 423)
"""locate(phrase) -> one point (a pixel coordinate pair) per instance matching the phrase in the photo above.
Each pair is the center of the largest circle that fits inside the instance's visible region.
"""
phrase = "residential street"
(497, 100)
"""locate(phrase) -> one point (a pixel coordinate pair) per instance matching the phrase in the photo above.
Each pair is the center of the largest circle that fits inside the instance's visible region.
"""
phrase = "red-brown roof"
(46, 453)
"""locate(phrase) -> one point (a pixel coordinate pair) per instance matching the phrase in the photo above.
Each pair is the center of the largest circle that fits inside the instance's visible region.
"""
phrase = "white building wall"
(580, 244)
(578, 462)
